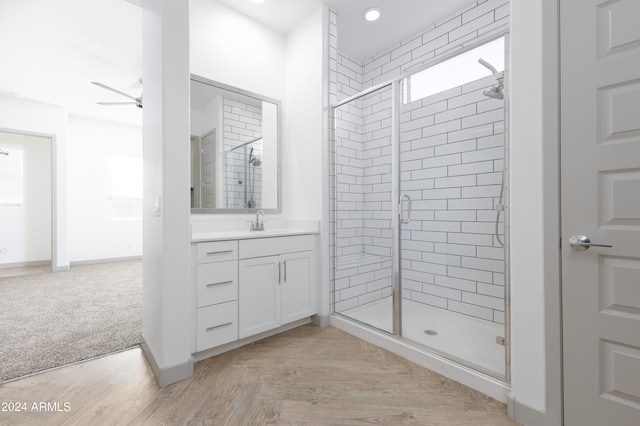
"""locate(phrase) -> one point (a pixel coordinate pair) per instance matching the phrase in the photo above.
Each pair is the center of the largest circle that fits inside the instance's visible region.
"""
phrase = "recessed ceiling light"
(372, 14)
(257, 1)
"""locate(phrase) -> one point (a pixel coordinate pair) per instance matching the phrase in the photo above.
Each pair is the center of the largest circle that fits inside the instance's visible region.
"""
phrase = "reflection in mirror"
(243, 175)
(234, 150)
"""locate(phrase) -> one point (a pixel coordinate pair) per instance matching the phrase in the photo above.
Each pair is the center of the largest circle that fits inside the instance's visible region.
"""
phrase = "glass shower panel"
(452, 260)
(363, 233)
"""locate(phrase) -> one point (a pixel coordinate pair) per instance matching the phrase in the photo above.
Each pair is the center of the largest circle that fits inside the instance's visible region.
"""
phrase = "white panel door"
(600, 143)
(259, 295)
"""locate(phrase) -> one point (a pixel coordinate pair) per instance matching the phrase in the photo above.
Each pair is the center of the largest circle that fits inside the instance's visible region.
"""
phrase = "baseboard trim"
(107, 260)
(321, 320)
(168, 375)
(25, 264)
(522, 413)
(60, 268)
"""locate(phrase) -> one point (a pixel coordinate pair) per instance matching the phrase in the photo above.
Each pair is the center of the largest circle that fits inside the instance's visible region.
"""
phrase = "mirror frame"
(278, 104)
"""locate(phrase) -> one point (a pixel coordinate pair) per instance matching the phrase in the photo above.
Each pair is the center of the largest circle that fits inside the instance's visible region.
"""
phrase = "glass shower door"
(362, 187)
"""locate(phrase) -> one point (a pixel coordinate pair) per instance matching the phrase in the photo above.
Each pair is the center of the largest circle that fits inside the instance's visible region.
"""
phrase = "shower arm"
(498, 75)
(3, 152)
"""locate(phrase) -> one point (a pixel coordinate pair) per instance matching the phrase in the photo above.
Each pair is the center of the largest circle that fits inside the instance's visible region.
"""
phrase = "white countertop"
(243, 235)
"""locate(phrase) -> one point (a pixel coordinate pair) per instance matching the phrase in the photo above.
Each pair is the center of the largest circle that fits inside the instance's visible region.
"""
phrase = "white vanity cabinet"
(253, 285)
(276, 284)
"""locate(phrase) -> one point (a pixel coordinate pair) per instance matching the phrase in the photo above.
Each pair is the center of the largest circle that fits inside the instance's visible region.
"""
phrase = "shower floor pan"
(466, 339)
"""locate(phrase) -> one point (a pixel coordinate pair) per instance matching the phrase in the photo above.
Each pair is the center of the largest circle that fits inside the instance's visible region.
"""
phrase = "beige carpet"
(53, 319)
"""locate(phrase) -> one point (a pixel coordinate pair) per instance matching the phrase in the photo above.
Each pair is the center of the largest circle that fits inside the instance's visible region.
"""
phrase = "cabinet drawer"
(217, 325)
(261, 247)
(217, 282)
(217, 251)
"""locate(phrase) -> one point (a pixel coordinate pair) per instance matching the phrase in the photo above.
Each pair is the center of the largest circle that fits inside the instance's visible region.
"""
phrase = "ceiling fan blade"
(117, 103)
(114, 90)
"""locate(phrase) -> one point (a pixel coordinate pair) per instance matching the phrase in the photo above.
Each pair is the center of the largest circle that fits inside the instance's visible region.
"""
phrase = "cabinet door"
(259, 295)
(298, 289)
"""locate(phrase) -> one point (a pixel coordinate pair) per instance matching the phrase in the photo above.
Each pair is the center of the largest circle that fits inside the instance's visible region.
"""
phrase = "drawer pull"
(213, 327)
(211, 253)
(222, 283)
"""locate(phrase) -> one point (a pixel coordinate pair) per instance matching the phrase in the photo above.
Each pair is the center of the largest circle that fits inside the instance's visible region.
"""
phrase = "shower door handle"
(404, 197)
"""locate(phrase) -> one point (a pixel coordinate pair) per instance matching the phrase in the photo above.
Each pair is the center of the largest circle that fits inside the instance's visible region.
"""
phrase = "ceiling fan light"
(372, 14)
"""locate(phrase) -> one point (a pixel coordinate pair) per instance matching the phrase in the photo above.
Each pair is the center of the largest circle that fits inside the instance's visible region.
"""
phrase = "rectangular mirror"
(235, 149)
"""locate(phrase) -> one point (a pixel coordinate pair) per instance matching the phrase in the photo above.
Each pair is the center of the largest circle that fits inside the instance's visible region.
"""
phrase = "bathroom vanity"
(250, 284)
(247, 282)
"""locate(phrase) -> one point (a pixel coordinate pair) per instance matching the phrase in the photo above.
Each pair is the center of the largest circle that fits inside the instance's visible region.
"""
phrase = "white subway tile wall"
(242, 122)
(452, 154)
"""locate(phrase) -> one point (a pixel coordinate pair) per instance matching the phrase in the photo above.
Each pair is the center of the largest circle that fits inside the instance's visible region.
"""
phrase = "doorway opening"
(27, 182)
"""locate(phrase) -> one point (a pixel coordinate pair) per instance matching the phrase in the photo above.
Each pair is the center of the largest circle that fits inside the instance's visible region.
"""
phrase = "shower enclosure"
(420, 239)
(243, 175)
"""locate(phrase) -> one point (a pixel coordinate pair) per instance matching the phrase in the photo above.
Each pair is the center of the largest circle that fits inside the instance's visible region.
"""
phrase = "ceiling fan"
(135, 101)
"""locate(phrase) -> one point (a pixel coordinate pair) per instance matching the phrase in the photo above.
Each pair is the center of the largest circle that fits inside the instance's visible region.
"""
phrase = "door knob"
(582, 243)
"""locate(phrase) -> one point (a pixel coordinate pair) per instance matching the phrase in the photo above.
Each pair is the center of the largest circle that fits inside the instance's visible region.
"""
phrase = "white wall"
(230, 48)
(19, 115)
(535, 327)
(25, 234)
(166, 238)
(92, 234)
(302, 167)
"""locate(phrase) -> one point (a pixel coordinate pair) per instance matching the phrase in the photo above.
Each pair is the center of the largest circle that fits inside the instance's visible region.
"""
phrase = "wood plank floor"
(310, 375)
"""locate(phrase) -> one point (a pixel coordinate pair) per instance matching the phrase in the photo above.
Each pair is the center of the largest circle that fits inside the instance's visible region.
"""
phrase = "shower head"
(498, 75)
(3, 152)
(495, 92)
(255, 161)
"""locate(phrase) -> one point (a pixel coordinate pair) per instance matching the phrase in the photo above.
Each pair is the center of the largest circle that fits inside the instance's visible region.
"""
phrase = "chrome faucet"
(258, 225)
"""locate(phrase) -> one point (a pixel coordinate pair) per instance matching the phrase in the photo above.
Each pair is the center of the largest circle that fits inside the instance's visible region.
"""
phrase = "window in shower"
(455, 72)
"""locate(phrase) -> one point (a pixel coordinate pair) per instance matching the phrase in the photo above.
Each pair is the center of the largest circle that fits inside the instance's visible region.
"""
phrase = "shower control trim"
(582, 243)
